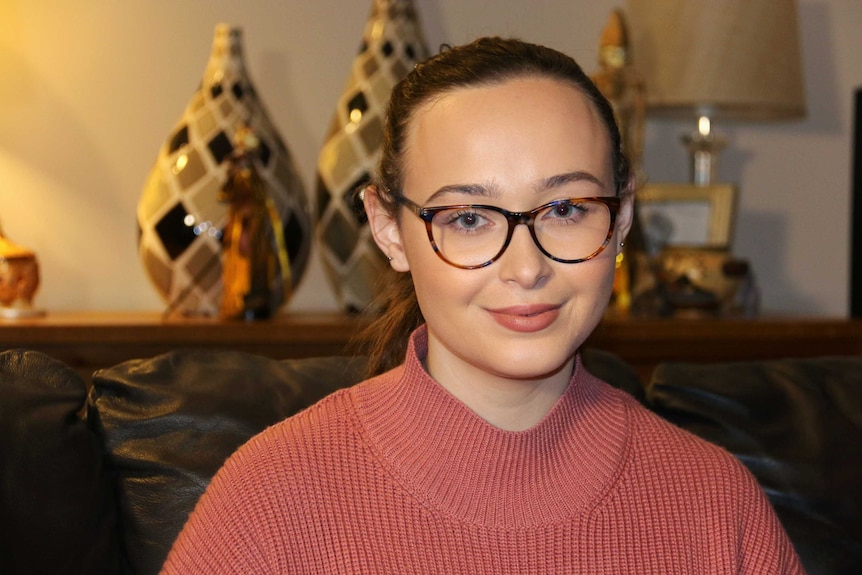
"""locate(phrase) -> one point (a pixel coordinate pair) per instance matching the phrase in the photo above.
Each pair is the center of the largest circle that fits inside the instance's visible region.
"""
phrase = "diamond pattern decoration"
(202, 266)
(352, 203)
(174, 232)
(189, 169)
(341, 235)
(294, 236)
(392, 43)
(323, 196)
(159, 272)
(180, 139)
(220, 147)
(180, 216)
(356, 107)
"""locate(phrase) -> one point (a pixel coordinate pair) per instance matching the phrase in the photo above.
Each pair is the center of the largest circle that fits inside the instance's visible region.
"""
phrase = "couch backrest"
(797, 425)
(169, 422)
(132, 466)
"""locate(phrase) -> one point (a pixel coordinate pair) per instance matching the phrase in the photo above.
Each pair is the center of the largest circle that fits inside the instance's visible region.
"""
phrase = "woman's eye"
(568, 211)
(468, 220)
(465, 220)
(563, 210)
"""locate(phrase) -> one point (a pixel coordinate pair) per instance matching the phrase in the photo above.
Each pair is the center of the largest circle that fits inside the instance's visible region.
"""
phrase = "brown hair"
(486, 61)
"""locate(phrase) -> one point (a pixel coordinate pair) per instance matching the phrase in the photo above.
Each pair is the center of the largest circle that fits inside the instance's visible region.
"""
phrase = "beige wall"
(90, 88)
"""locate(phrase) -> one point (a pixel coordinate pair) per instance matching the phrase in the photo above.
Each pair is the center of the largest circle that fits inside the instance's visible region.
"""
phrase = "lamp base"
(704, 148)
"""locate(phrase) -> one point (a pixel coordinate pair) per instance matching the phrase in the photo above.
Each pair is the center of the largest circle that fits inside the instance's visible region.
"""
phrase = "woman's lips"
(526, 318)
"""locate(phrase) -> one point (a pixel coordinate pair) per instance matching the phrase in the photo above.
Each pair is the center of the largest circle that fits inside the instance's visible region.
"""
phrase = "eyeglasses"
(470, 236)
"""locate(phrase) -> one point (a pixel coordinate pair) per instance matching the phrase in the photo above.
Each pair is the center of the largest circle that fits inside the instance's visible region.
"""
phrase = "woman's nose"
(523, 262)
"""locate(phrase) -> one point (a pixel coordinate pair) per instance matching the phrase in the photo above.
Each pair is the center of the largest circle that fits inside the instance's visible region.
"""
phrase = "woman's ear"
(627, 208)
(385, 229)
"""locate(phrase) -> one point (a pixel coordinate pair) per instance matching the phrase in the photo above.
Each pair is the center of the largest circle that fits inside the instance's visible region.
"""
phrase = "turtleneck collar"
(460, 465)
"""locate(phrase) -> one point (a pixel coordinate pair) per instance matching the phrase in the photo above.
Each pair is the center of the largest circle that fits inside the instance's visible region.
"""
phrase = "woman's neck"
(506, 403)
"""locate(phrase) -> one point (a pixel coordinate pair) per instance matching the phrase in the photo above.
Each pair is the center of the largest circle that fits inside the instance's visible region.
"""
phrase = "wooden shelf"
(644, 343)
(88, 341)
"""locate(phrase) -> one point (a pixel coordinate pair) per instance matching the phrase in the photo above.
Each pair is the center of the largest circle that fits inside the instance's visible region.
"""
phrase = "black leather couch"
(98, 477)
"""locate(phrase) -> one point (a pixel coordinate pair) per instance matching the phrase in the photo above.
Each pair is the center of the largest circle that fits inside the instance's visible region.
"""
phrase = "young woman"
(503, 199)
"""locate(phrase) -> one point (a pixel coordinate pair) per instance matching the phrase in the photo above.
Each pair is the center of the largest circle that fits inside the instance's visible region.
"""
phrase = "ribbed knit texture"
(397, 476)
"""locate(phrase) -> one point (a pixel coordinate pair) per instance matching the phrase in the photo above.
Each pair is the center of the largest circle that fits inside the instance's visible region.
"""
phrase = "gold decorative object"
(256, 265)
(19, 280)
(624, 88)
(622, 85)
(697, 282)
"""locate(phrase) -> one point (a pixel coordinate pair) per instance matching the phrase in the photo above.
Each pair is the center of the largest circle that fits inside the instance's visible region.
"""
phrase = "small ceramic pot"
(19, 280)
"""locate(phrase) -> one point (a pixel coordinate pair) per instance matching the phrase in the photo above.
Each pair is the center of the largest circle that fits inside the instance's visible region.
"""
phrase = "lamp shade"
(732, 60)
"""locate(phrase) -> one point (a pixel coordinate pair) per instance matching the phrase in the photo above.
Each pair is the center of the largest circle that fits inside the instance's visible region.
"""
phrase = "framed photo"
(676, 215)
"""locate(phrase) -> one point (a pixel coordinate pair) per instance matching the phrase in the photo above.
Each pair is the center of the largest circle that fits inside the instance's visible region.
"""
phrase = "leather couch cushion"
(57, 511)
(611, 369)
(171, 421)
(796, 424)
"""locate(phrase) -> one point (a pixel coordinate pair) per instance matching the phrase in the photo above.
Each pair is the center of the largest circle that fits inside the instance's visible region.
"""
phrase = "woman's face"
(513, 145)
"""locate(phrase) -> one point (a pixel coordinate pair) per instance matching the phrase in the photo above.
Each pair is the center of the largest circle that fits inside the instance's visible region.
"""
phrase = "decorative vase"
(181, 213)
(19, 280)
(392, 44)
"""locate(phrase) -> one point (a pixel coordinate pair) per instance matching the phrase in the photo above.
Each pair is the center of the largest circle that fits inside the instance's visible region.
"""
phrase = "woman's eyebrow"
(560, 180)
(482, 190)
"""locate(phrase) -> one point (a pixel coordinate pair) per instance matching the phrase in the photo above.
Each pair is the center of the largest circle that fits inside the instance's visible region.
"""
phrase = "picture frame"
(686, 215)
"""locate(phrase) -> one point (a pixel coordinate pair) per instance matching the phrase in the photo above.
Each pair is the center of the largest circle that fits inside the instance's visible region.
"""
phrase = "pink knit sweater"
(395, 475)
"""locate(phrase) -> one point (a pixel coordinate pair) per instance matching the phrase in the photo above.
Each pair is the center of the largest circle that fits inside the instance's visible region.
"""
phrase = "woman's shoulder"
(328, 430)
(278, 477)
(321, 422)
(681, 483)
(298, 447)
(668, 449)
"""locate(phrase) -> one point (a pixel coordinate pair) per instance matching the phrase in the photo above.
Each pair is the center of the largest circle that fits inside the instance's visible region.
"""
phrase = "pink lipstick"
(526, 318)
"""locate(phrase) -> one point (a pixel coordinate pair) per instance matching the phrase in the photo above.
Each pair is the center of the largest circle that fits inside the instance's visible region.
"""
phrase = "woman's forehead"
(535, 126)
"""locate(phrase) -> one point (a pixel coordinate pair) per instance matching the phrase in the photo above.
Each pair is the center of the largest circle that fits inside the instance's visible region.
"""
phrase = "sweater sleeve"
(224, 532)
(766, 548)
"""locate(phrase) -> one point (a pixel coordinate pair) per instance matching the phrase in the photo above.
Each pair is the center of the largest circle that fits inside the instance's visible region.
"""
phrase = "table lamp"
(728, 61)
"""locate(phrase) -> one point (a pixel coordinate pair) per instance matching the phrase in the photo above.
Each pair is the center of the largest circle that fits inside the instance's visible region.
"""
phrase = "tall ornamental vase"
(182, 212)
(392, 44)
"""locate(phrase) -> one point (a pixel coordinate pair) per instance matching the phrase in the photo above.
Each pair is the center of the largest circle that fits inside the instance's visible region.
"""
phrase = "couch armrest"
(56, 502)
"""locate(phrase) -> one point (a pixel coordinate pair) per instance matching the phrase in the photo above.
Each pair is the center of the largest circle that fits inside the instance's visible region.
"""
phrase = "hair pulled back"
(484, 62)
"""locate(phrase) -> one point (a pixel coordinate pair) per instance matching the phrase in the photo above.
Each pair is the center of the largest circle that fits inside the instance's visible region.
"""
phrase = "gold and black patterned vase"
(392, 44)
(181, 212)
